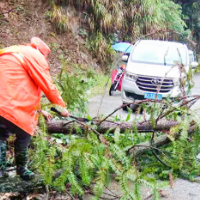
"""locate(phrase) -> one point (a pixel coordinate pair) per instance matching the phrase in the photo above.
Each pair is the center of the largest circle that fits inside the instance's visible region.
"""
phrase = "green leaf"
(117, 135)
(89, 118)
(128, 116)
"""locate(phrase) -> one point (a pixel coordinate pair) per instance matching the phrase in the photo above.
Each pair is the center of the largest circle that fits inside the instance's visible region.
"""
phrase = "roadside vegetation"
(78, 83)
(115, 20)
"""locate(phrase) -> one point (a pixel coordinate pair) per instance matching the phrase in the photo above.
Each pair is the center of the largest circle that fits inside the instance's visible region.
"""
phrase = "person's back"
(24, 73)
(20, 95)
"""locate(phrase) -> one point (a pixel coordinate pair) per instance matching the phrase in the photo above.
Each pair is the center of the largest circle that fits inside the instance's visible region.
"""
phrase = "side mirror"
(194, 64)
(125, 58)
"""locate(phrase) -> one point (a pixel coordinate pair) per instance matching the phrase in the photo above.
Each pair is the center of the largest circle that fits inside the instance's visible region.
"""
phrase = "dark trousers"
(22, 138)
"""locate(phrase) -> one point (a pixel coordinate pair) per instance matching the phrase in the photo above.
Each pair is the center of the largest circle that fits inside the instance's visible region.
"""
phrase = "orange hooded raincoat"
(24, 72)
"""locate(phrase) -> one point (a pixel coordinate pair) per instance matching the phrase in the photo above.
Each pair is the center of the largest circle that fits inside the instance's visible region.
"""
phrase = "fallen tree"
(15, 184)
(66, 127)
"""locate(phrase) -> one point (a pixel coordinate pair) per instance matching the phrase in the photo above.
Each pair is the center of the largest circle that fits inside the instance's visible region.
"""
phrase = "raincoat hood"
(40, 45)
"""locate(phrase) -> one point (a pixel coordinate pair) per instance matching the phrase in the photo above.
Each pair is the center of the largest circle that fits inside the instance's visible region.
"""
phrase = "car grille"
(152, 84)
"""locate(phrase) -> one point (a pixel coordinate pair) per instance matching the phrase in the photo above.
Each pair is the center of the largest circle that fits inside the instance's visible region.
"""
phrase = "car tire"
(125, 108)
(134, 107)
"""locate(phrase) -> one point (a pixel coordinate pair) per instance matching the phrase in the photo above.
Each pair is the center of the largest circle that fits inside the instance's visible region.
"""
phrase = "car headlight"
(176, 81)
(131, 77)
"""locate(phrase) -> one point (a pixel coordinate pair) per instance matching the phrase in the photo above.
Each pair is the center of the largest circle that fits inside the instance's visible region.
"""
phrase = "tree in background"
(107, 21)
(153, 18)
(191, 15)
(130, 19)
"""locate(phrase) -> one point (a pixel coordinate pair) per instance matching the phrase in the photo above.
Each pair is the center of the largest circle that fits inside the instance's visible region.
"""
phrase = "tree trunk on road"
(66, 127)
(59, 126)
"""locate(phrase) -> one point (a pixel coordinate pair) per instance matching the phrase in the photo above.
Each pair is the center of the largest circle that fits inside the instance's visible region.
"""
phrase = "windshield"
(157, 53)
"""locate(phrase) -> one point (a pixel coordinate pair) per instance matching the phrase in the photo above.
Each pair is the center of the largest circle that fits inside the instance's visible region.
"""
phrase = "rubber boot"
(21, 158)
(3, 164)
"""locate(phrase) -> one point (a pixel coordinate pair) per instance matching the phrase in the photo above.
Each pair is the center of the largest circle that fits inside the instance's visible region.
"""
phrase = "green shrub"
(101, 49)
(75, 86)
(58, 19)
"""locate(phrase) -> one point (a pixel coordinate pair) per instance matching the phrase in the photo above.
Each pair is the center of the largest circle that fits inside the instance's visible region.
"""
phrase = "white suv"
(152, 70)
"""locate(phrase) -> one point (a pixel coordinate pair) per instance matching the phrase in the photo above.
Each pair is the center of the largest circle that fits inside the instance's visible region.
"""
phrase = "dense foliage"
(109, 21)
(75, 86)
(131, 18)
(191, 16)
(86, 163)
(77, 83)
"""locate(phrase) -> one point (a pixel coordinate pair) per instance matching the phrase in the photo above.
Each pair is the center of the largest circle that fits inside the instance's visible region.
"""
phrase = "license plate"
(151, 95)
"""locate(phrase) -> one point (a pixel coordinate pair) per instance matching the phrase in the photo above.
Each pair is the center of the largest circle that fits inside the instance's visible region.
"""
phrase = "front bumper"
(131, 92)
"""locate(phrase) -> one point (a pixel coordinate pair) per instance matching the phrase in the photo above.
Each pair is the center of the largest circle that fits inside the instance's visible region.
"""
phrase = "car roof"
(164, 43)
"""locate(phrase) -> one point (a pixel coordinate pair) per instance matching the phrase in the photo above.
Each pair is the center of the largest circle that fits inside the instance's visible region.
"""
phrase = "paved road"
(182, 190)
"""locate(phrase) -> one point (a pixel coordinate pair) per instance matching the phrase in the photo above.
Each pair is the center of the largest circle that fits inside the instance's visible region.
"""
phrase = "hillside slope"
(22, 19)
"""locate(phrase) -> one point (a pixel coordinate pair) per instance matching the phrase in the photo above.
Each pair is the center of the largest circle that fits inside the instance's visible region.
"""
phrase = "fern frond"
(75, 186)
(103, 178)
(184, 126)
(117, 135)
(124, 185)
(115, 166)
(120, 155)
(85, 171)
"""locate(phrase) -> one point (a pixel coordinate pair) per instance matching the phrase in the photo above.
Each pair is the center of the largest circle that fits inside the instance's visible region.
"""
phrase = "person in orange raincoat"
(24, 74)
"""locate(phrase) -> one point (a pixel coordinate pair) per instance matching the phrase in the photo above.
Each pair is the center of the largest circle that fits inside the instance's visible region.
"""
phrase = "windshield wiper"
(165, 56)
